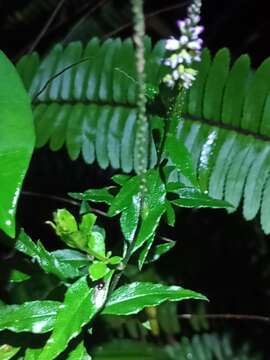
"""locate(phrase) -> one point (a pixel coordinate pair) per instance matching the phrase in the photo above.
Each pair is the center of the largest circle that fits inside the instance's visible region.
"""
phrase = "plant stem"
(142, 133)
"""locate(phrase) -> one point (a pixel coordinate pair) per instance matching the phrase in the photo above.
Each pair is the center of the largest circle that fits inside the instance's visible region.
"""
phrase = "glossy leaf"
(125, 196)
(144, 252)
(71, 257)
(17, 141)
(46, 260)
(132, 298)
(79, 353)
(130, 217)
(32, 354)
(97, 270)
(153, 207)
(160, 250)
(181, 158)
(192, 198)
(120, 179)
(95, 195)
(77, 310)
(36, 316)
(149, 225)
(8, 351)
(96, 243)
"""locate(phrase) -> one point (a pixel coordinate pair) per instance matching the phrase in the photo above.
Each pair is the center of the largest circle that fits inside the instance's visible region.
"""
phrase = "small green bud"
(64, 222)
(97, 270)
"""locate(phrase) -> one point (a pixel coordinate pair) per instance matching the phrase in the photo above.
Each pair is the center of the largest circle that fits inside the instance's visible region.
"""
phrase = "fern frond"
(91, 109)
(200, 347)
(209, 347)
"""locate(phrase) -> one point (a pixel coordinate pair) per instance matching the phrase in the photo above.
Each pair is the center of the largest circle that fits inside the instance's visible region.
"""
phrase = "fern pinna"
(91, 108)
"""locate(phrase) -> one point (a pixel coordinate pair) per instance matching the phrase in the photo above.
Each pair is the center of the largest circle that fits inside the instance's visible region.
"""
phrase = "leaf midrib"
(228, 127)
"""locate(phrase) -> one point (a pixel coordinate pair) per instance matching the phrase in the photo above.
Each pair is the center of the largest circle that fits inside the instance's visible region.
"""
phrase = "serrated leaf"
(181, 158)
(192, 198)
(132, 298)
(149, 225)
(46, 260)
(153, 208)
(17, 141)
(79, 353)
(125, 196)
(77, 310)
(36, 316)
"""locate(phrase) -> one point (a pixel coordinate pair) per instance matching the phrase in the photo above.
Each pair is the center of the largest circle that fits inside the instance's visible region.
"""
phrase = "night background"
(220, 255)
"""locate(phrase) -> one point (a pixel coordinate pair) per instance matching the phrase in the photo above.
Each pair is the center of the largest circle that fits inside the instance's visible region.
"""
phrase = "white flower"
(186, 49)
(172, 44)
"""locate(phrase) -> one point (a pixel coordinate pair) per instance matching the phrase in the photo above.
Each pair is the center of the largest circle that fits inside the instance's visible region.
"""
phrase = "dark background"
(218, 254)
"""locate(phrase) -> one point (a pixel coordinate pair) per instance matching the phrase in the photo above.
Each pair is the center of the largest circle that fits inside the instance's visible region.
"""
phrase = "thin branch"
(226, 317)
(47, 83)
(84, 18)
(147, 17)
(61, 199)
(46, 26)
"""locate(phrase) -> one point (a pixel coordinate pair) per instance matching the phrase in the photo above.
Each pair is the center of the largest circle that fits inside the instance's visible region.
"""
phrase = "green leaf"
(17, 141)
(49, 262)
(79, 353)
(95, 195)
(115, 260)
(130, 217)
(192, 198)
(170, 213)
(149, 225)
(32, 354)
(181, 158)
(96, 243)
(144, 252)
(77, 310)
(17, 276)
(72, 257)
(36, 316)
(126, 349)
(125, 196)
(97, 270)
(132, 298)
(120, 179)
(153, 208)
(160, 250)
(8, 351)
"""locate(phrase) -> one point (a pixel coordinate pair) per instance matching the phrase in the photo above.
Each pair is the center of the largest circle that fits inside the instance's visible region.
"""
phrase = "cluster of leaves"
(85, 97)
(225, 122)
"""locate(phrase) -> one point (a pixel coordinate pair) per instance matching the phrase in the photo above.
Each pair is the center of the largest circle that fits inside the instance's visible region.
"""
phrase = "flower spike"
(186, 49)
